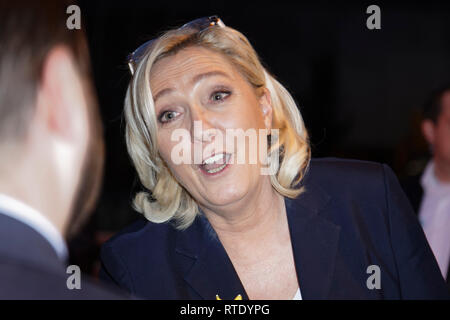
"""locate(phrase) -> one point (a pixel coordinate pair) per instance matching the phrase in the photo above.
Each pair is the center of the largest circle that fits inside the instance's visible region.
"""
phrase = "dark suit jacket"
(352, 215)
(31, 269)
(414, 191)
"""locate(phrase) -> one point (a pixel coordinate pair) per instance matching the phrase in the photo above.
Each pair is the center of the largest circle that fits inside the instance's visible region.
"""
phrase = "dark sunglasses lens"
(134, 57)
(201, 23)
(139, 52)
(197, 24)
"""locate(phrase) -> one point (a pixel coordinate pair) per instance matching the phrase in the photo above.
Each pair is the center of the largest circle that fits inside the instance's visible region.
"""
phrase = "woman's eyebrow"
(194, 80)
(162, 93)
(202, 76)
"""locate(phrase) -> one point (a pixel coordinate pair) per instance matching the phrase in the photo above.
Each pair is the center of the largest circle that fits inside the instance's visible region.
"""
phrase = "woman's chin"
(227, 186)
(225, 193)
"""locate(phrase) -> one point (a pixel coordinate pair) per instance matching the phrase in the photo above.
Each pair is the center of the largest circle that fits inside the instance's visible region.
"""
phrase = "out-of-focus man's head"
(51, 147)
(436, 126)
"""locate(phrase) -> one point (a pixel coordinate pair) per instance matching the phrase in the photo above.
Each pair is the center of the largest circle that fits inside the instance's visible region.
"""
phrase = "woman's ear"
(265, 103)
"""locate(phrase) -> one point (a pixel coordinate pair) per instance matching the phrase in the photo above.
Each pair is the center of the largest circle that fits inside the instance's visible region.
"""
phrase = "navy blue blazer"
(31, 269)
(353, 214)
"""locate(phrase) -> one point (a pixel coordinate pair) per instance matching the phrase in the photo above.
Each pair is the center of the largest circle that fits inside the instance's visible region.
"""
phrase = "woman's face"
(198, 92)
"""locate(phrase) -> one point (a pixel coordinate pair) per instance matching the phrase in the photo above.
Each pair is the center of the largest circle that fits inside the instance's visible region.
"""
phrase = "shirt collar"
(34, 219)
(430, 182)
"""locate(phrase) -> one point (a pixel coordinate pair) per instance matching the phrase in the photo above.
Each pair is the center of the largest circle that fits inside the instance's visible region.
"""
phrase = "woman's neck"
(258, 215)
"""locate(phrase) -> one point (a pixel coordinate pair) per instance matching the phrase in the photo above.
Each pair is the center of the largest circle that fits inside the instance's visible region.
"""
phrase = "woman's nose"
(202, 126)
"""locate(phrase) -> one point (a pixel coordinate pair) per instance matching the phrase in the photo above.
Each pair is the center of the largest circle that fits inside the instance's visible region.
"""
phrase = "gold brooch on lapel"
(238, 297)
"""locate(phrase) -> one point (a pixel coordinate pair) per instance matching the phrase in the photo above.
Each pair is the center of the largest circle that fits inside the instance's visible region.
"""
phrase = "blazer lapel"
(314, 241)
(212, 273)
(448, 277)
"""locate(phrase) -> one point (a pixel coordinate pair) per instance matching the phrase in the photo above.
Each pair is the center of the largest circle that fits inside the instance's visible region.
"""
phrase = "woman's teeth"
(215, 163)
(215, 159)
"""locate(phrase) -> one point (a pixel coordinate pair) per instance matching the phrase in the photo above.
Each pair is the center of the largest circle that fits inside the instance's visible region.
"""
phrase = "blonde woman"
(215, 227)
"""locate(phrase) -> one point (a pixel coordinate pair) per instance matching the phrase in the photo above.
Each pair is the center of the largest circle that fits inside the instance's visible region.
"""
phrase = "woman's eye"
(167, 116)
(220, 95)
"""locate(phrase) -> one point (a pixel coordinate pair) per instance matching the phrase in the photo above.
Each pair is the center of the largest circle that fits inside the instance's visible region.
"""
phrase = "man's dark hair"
(29, 29)
(433, 107)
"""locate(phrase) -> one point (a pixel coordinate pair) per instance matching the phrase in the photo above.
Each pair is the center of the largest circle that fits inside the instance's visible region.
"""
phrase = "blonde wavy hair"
(166, 199)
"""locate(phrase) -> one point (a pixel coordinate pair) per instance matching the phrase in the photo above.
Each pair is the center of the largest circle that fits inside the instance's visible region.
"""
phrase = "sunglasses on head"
(197, 24)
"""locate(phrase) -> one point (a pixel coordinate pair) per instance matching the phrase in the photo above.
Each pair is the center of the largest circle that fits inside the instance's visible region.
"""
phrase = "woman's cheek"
(165, 147)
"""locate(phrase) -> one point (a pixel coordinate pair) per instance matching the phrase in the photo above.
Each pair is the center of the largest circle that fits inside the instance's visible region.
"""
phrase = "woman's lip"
(228, 158)
(214, 173)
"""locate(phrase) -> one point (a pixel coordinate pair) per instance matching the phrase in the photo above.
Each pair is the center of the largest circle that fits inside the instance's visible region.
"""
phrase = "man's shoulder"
(25, 281)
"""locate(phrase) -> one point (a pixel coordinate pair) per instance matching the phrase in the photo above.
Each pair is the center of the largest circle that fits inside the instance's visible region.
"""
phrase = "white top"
(298, 295)
(31, 217)
(434, 215)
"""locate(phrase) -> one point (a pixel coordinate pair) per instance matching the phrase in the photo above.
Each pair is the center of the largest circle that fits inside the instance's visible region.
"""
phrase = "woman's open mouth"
(215, 164)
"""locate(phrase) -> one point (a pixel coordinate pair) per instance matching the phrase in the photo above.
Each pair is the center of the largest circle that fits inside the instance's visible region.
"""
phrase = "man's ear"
(61, 104)
(265, 102)
(427, 127)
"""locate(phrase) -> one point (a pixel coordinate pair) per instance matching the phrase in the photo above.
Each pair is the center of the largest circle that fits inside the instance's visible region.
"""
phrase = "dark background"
(360, 91)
